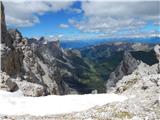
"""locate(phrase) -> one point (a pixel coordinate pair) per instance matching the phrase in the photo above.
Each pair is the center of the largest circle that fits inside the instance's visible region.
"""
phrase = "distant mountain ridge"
(76, 44)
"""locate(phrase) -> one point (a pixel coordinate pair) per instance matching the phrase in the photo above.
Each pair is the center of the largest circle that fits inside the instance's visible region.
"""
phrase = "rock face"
(144, 78)
(31, 89)
(7, 84)
(5, 37)
(11, 57)
(58, 68)
(126, 67)
(3, 24)
(157, 51)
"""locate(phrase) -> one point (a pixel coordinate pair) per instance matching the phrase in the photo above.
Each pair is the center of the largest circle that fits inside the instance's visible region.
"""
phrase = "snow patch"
(17, 104)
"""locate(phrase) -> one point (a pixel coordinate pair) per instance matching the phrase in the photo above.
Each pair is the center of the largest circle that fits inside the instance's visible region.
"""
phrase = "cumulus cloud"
(63, 26)
(25, 13)
(75, 10)
(105, 17)
(112, 17)
(121, 9)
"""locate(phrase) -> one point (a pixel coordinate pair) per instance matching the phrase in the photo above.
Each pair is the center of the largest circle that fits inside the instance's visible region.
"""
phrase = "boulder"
(31, 89)
(6, 83)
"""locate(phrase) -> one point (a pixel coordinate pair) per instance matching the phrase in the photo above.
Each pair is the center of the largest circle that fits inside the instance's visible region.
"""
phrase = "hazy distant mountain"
(86, 43)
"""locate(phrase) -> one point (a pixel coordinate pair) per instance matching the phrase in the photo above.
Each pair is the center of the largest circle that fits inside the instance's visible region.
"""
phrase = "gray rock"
(16, 35)
(126, 67)
(11, 61)
(5, 37)
(11, 57)
(157, 51)
(31, 89)
(6, 83)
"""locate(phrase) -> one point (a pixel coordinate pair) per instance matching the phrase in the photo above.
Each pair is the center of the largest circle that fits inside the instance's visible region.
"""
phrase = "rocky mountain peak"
(15, 34)
(126, 67)
(3, 24)
(157, 51)
(129, 63)
(5, 37)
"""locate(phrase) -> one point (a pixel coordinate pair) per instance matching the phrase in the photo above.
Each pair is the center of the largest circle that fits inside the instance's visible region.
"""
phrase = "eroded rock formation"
(126, 67)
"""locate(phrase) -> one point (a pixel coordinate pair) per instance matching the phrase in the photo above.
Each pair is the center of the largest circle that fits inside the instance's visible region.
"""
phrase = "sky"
(87, 19)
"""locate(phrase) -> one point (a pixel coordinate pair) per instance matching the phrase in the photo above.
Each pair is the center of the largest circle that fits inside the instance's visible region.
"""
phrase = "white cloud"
(105, 17)
(134, 34)
(112, 17)
(121, 9)
(26, 13)
(63, 26)
(75, 10)
(22, 22)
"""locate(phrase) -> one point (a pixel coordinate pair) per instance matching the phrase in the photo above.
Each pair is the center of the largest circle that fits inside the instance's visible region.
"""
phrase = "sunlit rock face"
(157, 51)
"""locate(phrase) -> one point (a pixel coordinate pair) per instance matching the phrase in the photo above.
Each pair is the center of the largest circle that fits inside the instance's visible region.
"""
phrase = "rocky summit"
(38, 67)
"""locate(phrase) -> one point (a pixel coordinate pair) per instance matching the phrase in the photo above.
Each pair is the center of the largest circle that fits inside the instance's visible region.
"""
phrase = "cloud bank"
(102, 18)
(113, 17)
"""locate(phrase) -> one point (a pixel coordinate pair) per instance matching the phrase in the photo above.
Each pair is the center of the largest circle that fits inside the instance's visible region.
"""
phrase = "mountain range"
(79, 44)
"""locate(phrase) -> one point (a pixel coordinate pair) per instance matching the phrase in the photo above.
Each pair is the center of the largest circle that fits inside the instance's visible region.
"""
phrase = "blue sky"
(74, 20)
